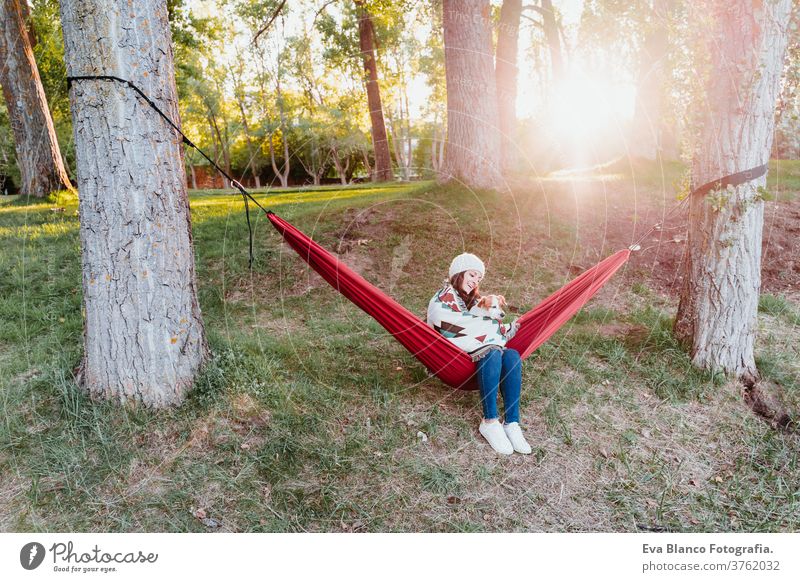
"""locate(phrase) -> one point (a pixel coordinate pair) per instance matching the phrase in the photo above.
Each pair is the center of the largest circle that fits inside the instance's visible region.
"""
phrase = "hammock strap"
(246, 196)
(736, 179)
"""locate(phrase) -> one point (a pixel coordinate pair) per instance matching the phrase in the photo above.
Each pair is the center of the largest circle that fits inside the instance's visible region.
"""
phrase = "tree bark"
(144, 338)
(38, 155)
(722, 274)
(380, 143)
(473, 140)
(506, 78)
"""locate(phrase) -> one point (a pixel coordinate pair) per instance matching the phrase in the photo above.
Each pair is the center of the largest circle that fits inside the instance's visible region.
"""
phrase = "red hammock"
(449, 363)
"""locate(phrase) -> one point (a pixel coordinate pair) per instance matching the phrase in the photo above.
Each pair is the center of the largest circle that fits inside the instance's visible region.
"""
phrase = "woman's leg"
(511, 385)
(489, 368)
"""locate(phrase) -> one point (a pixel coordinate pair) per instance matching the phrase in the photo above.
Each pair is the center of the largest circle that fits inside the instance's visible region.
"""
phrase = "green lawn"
(310, 417)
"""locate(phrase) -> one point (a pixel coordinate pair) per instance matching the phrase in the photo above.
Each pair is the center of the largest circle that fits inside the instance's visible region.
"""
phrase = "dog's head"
(491, 306)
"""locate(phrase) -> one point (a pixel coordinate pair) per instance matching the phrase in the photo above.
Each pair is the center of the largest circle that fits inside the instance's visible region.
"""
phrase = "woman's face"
(471, 280)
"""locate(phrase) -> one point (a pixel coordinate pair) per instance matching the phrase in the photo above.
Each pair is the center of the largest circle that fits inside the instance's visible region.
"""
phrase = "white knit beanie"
(465, 262)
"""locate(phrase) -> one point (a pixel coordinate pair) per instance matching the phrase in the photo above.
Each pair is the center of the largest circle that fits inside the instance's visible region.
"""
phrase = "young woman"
(484, 339)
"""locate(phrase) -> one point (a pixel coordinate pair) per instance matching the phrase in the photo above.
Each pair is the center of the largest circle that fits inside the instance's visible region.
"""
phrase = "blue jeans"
(503, 370)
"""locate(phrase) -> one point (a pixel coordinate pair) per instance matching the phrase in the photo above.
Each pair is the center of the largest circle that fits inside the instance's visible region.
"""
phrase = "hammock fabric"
(449, 363)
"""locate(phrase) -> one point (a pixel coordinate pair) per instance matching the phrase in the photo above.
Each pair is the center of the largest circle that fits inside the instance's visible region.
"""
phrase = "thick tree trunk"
(380, 143)
(473, 140)
(144, 339)
(719, 302)
(506, 78)
(38, 155)
(649, 127)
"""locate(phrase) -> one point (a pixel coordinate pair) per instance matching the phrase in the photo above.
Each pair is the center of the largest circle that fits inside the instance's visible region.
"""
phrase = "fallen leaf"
(422, 436)
(200, 513)
(453, 500)
(603, 452)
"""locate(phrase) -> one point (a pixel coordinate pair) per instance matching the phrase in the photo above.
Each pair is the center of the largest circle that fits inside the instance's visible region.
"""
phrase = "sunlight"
(585, 107)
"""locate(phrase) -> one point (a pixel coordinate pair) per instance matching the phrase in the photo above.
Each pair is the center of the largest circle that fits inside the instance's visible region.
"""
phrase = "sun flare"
(584, 107)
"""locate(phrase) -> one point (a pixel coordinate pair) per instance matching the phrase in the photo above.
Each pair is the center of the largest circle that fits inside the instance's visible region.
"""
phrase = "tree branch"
(269, 23)
(321, 10)
(536, 22)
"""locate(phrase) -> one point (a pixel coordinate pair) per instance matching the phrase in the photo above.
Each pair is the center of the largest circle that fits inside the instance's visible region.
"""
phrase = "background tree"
(506, 77)
(472, 153)
(38, 154)
(717, 314)
(380, 142)
(144, 339)
(649, 131)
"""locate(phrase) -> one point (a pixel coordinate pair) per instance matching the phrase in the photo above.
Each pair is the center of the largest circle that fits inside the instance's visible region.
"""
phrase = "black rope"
(246, 196)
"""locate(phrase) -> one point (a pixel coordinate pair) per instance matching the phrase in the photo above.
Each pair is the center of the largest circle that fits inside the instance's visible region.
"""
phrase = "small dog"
(491, 306)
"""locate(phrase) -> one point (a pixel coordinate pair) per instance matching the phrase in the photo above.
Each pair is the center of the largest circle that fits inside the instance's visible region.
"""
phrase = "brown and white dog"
(493, 307)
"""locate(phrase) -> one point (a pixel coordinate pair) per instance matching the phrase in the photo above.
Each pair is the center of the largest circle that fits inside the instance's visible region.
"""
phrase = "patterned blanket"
(476, 335)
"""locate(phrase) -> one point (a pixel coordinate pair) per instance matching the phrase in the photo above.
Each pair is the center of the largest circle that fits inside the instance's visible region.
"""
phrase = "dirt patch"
(610, 217)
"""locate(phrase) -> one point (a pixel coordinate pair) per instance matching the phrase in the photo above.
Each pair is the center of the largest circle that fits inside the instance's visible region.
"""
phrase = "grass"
(310, 418)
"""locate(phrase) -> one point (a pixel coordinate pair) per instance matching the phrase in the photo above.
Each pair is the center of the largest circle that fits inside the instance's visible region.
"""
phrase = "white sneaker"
(493, 432)
(514, 433)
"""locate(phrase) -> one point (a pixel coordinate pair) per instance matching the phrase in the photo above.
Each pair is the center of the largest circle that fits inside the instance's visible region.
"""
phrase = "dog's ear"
(502, 301)
(483, 302)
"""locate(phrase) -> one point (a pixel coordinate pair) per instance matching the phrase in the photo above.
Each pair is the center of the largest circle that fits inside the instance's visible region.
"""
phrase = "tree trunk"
(284, 174)
(367, 166)
(506, 78)
(251, 149)
(719, 301)
(226, 157)
(341, 169)
(553, 40)
(380, 143)
(473, 140)
(648, 127)
(38, 155)
(278, 173)
(144, 339)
